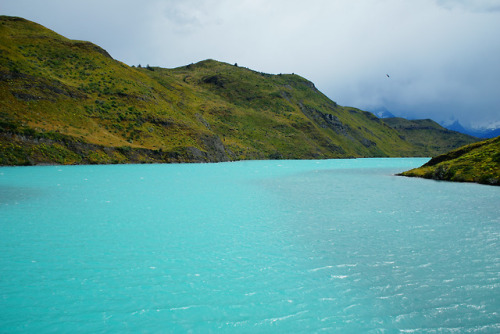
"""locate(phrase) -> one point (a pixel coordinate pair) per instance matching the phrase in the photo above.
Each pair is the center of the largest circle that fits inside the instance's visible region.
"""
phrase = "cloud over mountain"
(441, 55)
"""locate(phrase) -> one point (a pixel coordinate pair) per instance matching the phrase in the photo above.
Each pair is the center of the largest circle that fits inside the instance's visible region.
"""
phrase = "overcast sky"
(442, 56)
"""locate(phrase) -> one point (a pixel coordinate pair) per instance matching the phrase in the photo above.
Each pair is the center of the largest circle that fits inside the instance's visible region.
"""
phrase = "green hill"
(429, 136)
(69, 102)
(478, 162)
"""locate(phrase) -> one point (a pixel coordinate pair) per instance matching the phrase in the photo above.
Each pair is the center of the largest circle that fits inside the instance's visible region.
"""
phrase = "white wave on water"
(321, 268)
(282, 318)
(339, 276)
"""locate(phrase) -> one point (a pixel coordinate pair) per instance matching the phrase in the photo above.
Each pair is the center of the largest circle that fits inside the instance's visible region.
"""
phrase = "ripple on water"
(334, 246)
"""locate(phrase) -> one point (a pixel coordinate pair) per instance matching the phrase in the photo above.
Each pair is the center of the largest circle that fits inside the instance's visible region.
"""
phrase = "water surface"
(247, 247)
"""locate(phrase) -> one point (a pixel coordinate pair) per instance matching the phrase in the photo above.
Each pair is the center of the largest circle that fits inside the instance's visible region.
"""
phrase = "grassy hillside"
(478, 162)
(69, 102)
(51, 84)
(284, 115)
(429, 136)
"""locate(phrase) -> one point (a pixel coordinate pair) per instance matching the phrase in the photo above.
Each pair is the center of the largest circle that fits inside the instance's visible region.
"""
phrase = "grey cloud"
(189, 15)
(471, 5)
(441, 54)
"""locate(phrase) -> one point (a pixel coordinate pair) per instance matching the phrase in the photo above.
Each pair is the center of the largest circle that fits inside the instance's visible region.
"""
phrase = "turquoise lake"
(335, 246)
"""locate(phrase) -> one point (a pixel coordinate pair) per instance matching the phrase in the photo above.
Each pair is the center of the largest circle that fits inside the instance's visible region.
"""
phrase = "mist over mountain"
(382, 112)
(476, 132)
(491, 131)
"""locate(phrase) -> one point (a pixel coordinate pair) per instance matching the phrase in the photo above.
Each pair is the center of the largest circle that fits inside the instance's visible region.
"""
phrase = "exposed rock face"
(324, 120)
(330, 121)
(38, 149)
(215, 150)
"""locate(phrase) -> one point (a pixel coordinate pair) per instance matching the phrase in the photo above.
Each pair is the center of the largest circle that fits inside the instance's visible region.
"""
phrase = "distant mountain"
(382, 113)
(429, 135)
(480, 133)
(478, 162)
(69, 102)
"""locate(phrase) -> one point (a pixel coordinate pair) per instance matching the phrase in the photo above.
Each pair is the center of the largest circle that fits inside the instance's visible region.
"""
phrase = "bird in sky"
(388, 75)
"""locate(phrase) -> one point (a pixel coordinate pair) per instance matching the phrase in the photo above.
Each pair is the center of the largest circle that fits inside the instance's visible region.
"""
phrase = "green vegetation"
(68, 102)
(478, 162)
(425, 134)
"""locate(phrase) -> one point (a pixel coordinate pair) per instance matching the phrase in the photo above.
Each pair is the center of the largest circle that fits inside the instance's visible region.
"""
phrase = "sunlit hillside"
(69, 102)
(478, 162)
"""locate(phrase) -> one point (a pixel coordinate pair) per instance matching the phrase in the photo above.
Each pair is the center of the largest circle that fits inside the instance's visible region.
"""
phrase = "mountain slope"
(287, 111)
(478, 162)
(428, 135)
(66, 101)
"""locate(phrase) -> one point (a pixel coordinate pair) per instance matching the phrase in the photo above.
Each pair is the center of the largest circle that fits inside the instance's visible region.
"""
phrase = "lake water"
(247, 247)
